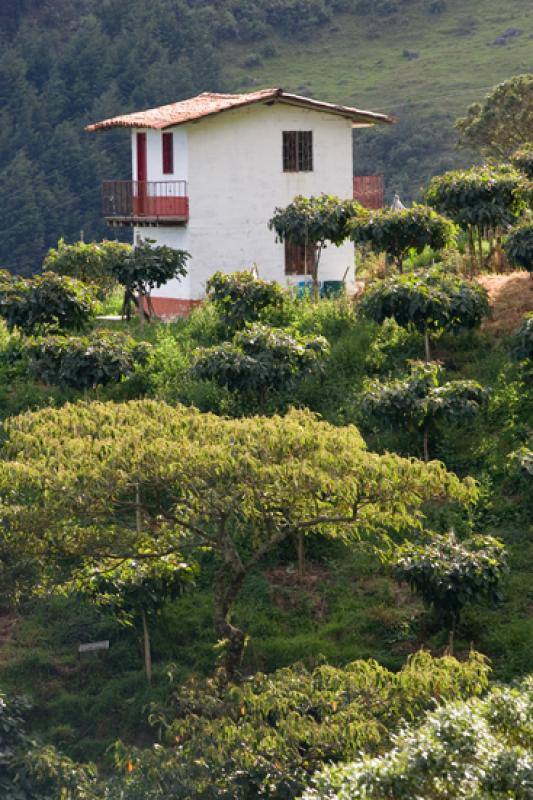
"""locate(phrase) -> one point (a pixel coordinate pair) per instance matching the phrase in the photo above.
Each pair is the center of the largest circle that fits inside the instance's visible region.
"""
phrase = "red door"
(141, 173)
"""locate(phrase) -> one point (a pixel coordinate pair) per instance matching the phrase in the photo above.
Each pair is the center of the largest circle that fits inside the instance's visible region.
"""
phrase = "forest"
(280, 548)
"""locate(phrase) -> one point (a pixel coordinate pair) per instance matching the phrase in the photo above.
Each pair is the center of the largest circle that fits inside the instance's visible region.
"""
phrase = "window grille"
(297, 151)
(299, 259)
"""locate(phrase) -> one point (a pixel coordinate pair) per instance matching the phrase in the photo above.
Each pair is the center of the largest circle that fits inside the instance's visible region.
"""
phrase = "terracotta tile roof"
(203, 105)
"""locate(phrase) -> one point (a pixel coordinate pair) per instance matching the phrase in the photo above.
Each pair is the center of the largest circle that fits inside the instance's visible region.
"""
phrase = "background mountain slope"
(68, 63)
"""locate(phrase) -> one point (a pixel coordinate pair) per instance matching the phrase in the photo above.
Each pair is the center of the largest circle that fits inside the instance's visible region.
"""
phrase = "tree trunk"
(399, 264)
(451, 639)
(147, 648)
(300, 549)
(426, 443)
(140, 309)
(427, 348)
(228, 583)
(472, 250)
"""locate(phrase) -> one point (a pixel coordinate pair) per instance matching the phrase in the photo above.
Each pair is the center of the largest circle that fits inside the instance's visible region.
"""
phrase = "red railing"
(145, 200)
(369, 190)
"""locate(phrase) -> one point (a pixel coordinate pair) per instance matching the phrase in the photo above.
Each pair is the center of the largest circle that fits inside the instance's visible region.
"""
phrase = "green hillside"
(369, 61)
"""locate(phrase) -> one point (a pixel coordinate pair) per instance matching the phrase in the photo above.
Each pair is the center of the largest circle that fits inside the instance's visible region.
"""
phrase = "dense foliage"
(449, 574)
(197, 475)
(397, 232)
(420, 400)
(522, 343)
(240, 297)
(486, 126)
(47, 300)
(478, 748)
(261, 359)
(82, 362)
(311, 222)
(145, 267)
(31, 771)
(519, 246)
(266, 737)
(430, 302)
(89, 262)
(523, 159)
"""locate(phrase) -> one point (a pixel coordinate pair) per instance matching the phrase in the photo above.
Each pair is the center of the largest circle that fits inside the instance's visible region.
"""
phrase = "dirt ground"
(511, 296)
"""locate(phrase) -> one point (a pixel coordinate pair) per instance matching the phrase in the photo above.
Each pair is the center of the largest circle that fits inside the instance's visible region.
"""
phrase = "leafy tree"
(75, 479)
(241, 297)
(478, 748)
(31, 771)
(518, 246)
(85, 362)
(266, 736)
(260, 360)
(503, 122)
(138, 587)
(449, 574)
(88, 262)
(421, 401)
(397, 232)
(311, 222)
(480, 199)
(429, 302)
(46, 300)
(523, 160)
(522, 343)
(146, 267)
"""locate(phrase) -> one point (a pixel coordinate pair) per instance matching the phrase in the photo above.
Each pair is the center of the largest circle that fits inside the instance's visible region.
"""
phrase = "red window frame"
(168, 153)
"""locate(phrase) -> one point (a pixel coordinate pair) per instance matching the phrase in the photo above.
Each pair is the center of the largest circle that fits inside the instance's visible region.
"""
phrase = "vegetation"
(83, 362)
(420, 401)
(449, 574)
(475, 748)
(266, 737)
(311, 222)
(398, 232)
(261, 360)
(92, 263)
(431, 303)
(241, 298)
(519, 246)
(46, 301)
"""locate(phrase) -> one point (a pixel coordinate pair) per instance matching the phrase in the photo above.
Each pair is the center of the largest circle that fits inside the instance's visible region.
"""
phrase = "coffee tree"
(241, 297)
(518, 246)
(311, 222)
(74, 480)
(47, 300)
(421, 401)
(477, 748)
(449, 574)
(430, 302)
(482, 200)
(523, 160)
(83, 362)
(261, 360)
(90, 262)
(397, 232)
(522, 342)
(144, 268)
(138, 588)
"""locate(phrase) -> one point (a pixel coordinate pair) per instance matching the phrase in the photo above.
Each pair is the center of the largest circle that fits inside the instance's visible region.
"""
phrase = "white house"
(209, 171)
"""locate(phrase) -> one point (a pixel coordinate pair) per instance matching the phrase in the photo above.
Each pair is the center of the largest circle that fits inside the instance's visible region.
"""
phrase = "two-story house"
(209, 171)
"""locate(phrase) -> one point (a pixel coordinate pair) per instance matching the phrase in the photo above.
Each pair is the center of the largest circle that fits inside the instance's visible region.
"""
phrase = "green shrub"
(90, 262)
(240, 298)
(518, 246)
(46, 300)
(84, 362)
(265, 737)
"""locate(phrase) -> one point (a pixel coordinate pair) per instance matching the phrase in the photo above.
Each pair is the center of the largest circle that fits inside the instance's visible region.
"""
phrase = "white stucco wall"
(236, 179)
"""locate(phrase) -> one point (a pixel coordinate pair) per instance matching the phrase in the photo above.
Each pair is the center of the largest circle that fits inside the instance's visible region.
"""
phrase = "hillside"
(66, 64)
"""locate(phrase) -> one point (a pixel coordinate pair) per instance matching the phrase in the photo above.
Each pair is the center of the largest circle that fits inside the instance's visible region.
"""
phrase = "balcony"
(145, 202)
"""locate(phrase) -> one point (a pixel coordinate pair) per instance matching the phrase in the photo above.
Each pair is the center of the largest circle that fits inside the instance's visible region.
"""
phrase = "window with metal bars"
(299, 259)
(168, 154)
(297, 151)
